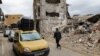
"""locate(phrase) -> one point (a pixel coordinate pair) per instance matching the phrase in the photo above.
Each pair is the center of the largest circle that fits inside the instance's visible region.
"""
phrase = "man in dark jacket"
(57, 36)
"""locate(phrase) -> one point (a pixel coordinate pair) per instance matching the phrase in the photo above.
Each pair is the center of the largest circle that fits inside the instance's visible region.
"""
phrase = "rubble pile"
(85, 35)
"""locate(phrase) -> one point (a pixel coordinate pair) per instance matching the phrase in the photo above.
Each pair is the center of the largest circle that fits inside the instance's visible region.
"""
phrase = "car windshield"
(30, 36)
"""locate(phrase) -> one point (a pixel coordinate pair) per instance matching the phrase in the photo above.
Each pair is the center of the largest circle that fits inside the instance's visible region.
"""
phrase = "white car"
(6, 32)
(11, 35)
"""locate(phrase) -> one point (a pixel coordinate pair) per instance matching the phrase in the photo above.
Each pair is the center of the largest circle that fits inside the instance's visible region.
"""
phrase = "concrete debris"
(85, 33)
(82, 34)
(94, 19)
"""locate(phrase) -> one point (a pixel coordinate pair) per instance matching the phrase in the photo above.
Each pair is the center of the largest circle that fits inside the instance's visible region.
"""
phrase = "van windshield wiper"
(27, 40)
(32, 40)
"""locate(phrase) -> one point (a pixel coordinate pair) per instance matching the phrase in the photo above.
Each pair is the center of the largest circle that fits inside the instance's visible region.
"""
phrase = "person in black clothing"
(57, 36)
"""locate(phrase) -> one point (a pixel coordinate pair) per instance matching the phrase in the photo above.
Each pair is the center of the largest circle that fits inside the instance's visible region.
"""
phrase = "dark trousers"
(57, 42)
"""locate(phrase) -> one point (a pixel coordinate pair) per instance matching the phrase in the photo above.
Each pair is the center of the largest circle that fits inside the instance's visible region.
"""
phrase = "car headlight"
(27, 50)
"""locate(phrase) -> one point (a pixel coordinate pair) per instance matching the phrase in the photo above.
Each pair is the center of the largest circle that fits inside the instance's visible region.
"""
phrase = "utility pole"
(34, 13)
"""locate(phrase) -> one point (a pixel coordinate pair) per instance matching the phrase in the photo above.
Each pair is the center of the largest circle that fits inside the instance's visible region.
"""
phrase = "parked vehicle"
(6, 32)
(26, 24)
(11, 35)
(30, 43)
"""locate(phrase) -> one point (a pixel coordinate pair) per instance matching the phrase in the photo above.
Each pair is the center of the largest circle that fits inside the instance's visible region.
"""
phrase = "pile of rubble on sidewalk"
(84, 34)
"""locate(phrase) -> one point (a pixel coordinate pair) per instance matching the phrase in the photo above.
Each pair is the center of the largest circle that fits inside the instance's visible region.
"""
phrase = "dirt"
(78, 43)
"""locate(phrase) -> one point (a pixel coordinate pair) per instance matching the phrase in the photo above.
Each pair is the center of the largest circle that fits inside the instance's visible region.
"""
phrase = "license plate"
(38, 54)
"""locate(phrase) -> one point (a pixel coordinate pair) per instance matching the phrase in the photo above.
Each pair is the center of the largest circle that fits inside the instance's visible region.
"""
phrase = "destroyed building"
(12, 19)
(85, 38)
(50, 14)
(94, 19)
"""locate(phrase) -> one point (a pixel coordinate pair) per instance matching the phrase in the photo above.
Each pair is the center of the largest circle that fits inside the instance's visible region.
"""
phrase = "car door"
(18, 45)
(16, 42)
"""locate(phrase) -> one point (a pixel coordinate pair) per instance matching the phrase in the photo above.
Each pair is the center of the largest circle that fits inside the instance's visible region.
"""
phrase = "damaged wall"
(52, 13)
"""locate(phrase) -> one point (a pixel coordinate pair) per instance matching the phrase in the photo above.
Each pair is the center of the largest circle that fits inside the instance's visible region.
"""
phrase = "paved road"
(7, 50)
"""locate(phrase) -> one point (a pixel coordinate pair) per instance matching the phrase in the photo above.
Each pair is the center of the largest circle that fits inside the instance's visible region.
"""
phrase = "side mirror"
(15, 41)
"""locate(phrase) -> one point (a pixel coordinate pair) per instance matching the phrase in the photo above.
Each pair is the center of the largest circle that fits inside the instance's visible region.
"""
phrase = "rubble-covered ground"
(80, 39)
(79, 43)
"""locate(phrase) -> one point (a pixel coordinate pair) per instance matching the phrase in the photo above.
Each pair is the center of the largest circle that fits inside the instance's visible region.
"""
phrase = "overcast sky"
(84, 6)
(76, 7)
(18, 7)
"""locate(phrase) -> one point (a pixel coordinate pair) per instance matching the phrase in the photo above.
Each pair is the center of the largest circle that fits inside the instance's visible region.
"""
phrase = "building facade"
(12, 19)
(51, 13)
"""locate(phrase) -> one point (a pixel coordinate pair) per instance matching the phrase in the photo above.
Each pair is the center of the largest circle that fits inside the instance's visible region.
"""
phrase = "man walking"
(57, 36)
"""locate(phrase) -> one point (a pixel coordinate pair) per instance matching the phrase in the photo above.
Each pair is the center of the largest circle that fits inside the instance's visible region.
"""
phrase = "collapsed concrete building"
(50, 14)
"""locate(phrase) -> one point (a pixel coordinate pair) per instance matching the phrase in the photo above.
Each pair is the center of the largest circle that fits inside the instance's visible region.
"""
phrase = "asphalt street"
(6, 49)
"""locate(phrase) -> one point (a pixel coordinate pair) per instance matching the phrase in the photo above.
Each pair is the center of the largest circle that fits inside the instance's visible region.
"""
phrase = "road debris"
(82, 35)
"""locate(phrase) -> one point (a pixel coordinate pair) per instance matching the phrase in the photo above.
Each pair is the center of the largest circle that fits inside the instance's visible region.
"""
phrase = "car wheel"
(10, 39)
(5, 35)
(14, 51)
